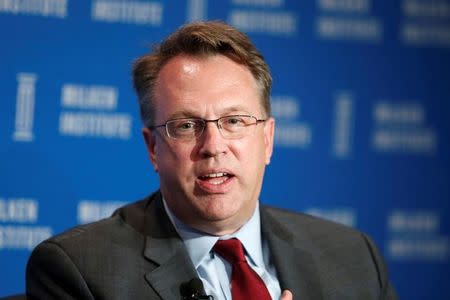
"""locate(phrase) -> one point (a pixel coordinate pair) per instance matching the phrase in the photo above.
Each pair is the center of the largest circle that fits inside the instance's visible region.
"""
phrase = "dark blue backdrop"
(361, 97)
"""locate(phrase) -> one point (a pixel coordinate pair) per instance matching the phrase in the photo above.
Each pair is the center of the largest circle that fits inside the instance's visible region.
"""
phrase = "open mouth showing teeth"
(216, 178)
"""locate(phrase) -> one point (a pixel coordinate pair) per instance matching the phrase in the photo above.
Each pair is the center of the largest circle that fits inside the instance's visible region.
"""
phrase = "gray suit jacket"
(137, 254)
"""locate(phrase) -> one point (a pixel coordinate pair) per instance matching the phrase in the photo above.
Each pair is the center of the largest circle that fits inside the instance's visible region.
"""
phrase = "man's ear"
(150, 142)
(269, 131)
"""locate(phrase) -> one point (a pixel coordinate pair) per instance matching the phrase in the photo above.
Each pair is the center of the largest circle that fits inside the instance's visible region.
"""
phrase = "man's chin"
(220, 221)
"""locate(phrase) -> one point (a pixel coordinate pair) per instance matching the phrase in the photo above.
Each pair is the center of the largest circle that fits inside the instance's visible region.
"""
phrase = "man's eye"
(187, 125)
(235, 121)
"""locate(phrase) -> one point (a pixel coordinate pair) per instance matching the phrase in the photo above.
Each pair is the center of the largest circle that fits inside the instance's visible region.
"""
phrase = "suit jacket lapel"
(296, 267)
(166, 250)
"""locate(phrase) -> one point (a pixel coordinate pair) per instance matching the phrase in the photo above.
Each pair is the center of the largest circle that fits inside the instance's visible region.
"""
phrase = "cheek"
(251, 154)
(172, 158)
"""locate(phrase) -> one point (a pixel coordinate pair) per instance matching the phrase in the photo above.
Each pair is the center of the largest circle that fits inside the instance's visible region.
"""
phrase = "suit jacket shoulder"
(121, 257)
(341, 262)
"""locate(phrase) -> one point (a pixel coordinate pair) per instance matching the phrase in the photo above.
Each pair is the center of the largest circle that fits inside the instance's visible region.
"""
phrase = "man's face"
(210, 183)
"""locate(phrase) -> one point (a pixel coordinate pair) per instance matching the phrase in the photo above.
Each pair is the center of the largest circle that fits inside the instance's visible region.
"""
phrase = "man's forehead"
(198, 86)
(220, 111)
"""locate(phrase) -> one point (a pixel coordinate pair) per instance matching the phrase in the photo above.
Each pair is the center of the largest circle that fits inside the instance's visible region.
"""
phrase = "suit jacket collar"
(295, 264)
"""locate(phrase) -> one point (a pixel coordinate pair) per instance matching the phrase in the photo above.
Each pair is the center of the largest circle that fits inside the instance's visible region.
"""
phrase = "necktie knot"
(232, 250)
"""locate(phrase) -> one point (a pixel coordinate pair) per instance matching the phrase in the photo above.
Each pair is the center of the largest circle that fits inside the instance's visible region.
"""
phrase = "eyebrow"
(187, 113)
(182, 114)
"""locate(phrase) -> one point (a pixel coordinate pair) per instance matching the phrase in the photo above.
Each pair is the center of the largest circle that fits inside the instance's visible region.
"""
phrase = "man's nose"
(211, 142)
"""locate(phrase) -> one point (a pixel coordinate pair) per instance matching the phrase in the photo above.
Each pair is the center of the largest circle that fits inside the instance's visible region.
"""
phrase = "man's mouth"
(216, 178)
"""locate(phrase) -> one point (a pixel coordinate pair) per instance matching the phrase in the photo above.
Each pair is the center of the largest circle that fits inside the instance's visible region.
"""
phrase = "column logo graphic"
(197, 10)
(25, 107)
(343, 125)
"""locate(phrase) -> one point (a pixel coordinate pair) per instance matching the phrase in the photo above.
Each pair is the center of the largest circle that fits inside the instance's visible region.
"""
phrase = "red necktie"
(245, 283)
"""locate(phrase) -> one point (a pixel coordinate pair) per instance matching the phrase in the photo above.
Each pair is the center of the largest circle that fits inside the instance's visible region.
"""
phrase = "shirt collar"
(199, 244)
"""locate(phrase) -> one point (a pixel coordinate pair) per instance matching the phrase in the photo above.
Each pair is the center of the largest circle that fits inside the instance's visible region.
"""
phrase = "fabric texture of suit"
(137, 254)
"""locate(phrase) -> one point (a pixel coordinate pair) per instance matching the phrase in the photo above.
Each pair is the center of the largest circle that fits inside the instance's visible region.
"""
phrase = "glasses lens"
(236, 126)
(185, 129)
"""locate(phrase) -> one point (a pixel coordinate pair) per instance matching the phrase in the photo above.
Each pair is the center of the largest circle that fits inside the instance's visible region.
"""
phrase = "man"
(204, 99)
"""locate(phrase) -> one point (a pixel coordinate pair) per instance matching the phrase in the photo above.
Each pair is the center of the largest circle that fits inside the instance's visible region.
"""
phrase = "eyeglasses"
(230, 127)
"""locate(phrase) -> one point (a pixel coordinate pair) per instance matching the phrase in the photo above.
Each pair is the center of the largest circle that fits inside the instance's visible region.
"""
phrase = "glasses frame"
(205, 122)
